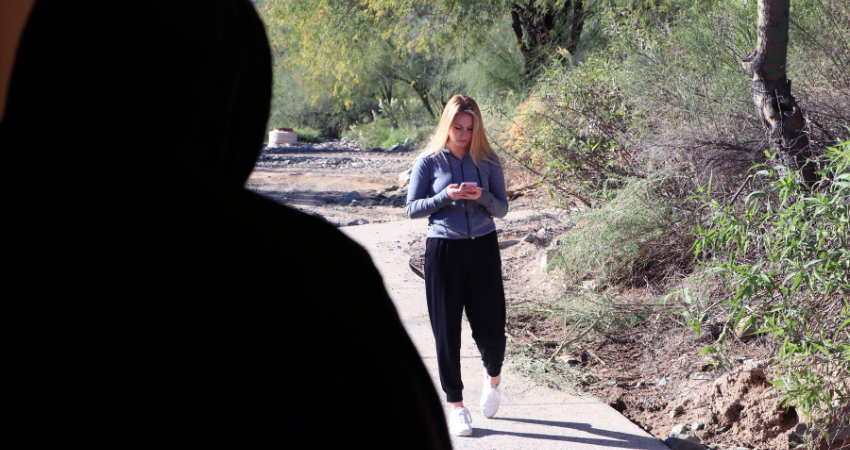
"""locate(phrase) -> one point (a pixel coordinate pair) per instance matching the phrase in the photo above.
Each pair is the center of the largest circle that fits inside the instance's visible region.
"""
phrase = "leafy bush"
(607, 240)
(785, 254)
(307, 134)
(380, 133)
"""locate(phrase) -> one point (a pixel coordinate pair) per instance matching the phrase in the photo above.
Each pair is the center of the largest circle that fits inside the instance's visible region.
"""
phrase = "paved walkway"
(530, 417)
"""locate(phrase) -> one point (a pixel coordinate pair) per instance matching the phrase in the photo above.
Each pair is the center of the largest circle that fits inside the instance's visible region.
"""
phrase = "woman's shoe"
(490, 398)
(459, 422)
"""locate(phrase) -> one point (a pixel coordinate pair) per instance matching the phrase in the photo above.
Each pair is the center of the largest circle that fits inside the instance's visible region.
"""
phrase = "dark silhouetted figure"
(153, 301)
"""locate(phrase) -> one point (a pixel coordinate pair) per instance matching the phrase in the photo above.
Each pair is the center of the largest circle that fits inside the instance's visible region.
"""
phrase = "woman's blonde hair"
(479, 148)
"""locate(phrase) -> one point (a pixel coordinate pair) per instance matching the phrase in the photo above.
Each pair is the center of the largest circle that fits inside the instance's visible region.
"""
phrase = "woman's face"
(460, 132)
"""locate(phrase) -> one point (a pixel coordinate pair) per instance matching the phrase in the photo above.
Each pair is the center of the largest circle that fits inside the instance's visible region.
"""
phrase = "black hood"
(164, 83)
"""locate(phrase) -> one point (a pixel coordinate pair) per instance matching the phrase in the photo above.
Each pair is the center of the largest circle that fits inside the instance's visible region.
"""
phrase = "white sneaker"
(490, 398)
(459, 422)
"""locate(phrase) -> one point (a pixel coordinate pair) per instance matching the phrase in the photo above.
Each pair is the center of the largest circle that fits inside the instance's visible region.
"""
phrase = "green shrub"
(607, 240)
(785, 255)
(309, 135)
(380, 133)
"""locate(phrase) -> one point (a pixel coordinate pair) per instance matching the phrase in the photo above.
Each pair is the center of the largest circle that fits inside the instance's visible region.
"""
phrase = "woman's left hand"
(470, 193)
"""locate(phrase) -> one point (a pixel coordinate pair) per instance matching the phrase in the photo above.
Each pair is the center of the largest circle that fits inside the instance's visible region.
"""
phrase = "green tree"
(332, 35)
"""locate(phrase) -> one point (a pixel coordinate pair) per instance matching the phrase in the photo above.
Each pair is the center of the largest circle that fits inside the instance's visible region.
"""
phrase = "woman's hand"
(453, 192)
(467, 193)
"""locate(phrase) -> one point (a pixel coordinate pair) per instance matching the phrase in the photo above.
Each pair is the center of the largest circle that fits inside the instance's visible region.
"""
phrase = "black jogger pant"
(465, 273)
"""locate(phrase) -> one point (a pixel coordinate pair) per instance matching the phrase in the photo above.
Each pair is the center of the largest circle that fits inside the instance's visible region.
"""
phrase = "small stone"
(404, 177)
(683, 442)
(589, 284)
(379, 197)
(647, 428)
(697, 426)
(679, 429)
(499, 231)
(676, 411)
(393, 148)
(573, 361)
(354, 203)
(529, 238)
(663, 382)
(360, 221)
(547, 258)
(391, 187)
(377, 149)
(700, 376)
(508, 243)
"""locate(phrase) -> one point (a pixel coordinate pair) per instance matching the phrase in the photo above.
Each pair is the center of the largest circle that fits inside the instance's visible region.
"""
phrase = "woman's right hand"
(454, 192)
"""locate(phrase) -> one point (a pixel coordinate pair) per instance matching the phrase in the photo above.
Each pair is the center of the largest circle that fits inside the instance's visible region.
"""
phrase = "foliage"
(309, 135)
(579, 127)
(785, 254)
(379, 133)
(335, 60)
(608, 239)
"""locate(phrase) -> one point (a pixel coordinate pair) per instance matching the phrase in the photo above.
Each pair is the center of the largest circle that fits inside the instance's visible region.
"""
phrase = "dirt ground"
(651, 373)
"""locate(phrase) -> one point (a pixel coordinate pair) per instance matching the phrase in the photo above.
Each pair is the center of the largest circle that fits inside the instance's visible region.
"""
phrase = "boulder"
(350, 197)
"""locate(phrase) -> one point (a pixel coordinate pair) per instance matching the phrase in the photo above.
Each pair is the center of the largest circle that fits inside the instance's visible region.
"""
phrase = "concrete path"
(530, 417)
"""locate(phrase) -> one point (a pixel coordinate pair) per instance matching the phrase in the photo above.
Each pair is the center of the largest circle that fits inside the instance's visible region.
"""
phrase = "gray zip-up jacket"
(459, 219)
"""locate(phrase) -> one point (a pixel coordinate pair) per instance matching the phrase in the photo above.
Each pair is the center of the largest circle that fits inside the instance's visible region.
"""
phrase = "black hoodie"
(153, 302)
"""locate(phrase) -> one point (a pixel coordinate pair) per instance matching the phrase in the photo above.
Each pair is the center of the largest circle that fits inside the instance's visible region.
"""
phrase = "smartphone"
(468, 185)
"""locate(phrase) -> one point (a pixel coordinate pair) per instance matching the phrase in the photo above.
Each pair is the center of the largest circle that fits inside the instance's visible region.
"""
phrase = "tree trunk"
(421, 93)
(783, 119)
(534, 25)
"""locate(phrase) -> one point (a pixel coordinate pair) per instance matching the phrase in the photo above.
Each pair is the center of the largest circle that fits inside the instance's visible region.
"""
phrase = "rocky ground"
(652, 373)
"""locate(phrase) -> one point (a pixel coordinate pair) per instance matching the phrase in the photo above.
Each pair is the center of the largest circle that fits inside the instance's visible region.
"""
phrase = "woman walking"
(458, 183)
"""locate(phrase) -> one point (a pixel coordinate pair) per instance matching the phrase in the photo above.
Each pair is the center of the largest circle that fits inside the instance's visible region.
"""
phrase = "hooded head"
(162, 82)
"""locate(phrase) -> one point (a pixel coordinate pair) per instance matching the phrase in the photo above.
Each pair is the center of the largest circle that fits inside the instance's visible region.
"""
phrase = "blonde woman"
(458, 183)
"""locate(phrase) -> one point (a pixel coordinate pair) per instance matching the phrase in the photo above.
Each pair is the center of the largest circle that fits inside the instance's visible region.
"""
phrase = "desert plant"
(785, 256)
(309, 135)
(608, 239)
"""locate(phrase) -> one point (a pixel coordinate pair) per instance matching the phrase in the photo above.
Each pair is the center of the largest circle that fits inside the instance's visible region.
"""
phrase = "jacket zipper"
(465, 209)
